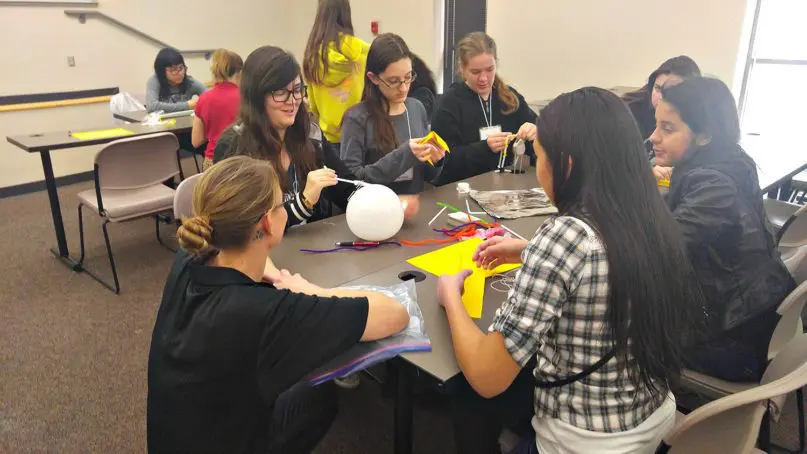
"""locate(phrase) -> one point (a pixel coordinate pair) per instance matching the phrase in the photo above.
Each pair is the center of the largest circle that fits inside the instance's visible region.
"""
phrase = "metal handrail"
(82, 16)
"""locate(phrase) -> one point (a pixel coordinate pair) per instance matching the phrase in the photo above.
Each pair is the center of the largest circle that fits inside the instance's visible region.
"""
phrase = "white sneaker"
(350, 382)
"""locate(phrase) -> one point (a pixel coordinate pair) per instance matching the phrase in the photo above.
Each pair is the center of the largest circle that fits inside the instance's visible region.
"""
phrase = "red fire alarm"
(374, 27)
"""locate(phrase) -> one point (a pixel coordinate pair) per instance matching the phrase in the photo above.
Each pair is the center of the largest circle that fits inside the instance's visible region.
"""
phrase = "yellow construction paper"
(102, 134)
(454, 258)
(435, 139)
(473, 295)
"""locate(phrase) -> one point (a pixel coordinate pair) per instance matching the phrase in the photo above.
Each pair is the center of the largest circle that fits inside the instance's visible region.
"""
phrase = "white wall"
(417, 21)
(37, 40)
(547, 47)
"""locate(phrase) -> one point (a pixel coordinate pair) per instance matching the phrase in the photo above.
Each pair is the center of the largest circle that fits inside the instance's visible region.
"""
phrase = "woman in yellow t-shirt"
(333, 66)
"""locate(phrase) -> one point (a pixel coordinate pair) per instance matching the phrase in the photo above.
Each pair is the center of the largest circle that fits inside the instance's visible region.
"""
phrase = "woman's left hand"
(411, 204)
(450, 286)
(528, 132)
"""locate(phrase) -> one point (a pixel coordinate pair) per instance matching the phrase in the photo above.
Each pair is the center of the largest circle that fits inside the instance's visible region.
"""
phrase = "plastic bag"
(365, 354)
(514, 204)
(122, 103)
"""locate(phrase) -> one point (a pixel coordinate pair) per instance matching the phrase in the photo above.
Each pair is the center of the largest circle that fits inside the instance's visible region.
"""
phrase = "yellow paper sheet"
(454, 258)
(102, 134)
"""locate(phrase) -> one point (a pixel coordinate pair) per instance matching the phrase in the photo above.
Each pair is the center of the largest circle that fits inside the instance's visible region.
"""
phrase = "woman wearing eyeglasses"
(171, 89)
(274, 125)
(380, 135)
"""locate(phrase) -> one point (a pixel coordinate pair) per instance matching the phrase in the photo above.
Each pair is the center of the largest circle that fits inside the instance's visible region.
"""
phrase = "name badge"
(488, 131)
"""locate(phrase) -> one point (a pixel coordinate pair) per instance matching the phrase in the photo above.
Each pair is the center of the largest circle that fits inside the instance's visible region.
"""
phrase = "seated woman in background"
(643, 101)
(592, 301)
(274, 126)
(379, 135)
(218, 107)
(170, 89)
(423, 87)
(716, 199)
(333, 66)
(476, 116)
(229, 350)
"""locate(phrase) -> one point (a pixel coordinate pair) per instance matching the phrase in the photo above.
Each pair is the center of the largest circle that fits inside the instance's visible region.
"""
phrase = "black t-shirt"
(224, 347)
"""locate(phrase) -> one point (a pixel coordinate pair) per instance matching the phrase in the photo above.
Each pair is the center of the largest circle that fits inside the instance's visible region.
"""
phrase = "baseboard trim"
(36, 186)
(67, 180)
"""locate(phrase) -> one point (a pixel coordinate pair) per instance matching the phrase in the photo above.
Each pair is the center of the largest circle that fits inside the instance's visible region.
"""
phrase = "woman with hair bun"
(234, 336)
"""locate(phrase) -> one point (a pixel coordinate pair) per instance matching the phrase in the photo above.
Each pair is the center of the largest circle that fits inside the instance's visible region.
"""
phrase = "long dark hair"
(707, 106)
(385, 50)
(425, 75)
(333, 19)
(268, 69)
(682, 66)
(601, 175)
(168, 57)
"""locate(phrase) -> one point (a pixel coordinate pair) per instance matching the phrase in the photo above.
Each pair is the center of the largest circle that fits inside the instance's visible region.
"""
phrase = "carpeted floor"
(73, 355)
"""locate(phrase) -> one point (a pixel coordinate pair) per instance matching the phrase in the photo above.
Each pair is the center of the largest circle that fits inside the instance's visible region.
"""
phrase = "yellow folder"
(102, 134)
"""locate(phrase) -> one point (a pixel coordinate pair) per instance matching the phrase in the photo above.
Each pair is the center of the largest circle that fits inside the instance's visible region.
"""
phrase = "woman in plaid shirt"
(600, 303)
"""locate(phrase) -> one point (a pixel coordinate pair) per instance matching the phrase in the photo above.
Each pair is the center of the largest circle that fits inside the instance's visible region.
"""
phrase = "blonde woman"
(234, 336)
(475, 116)
(218, 107)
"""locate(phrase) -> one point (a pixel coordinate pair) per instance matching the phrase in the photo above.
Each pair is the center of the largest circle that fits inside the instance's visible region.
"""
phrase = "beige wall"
(417, 21)
(37, 40)
(547, 47)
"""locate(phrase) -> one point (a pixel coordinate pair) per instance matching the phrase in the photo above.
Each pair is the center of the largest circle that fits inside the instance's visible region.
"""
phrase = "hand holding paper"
(440, 145)
(453, 259)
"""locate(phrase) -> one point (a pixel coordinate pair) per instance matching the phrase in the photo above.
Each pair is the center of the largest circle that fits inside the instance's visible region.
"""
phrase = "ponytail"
(506, 96)
(225, 64)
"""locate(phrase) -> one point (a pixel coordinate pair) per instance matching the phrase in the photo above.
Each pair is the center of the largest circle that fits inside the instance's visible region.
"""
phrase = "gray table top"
(135, 116)
(334, 269)
(382, 266)
(34, 143)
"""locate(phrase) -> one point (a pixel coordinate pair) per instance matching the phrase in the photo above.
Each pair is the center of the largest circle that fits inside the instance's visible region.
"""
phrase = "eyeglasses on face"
(396, 83)
(283, 94)
(176, 69)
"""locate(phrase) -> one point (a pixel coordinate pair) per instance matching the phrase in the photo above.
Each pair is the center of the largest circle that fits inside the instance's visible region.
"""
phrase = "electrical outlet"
(71, 61)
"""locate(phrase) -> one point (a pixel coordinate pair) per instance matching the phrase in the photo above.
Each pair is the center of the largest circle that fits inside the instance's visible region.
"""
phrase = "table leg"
(785, 189)
(404, 408)
(62, 253)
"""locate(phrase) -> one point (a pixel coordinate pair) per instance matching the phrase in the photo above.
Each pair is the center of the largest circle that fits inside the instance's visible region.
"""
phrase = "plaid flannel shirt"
(556, 310)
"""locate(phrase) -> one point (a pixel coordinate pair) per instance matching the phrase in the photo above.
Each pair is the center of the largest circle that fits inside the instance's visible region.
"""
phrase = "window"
(773, 94)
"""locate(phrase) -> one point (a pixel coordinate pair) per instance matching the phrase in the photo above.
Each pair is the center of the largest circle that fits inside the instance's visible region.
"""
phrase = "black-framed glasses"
(176, 69)
(396, 83)
(282, 94)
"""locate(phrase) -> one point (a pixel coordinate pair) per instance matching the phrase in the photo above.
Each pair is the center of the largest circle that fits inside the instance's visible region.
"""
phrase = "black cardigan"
(337, 195)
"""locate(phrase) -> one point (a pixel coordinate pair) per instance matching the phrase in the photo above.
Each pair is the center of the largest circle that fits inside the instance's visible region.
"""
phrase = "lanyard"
(488, 111)
(408, 125)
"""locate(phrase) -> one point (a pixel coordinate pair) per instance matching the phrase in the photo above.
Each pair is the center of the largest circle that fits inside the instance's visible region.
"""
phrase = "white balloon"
(374, 213)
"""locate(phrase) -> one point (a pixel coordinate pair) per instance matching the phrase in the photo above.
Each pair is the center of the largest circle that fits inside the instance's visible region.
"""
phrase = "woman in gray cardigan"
(170, 89)
(380, 134)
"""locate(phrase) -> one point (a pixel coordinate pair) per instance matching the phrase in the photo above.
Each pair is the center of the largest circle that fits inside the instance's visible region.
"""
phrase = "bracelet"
(308, 205)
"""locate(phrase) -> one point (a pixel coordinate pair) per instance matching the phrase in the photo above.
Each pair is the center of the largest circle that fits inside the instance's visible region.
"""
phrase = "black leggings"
(479, 421)
(301, 416)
